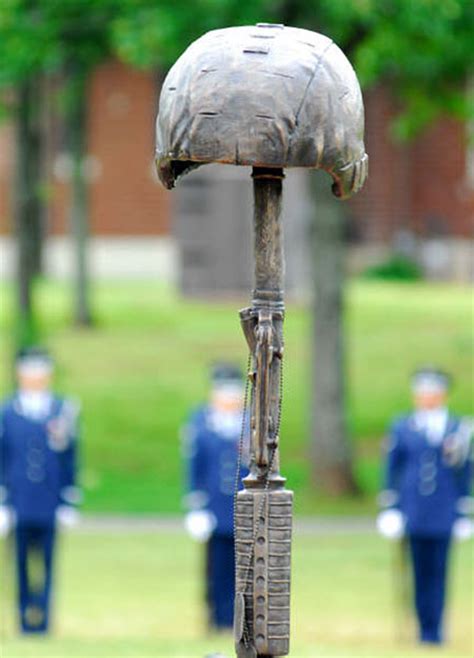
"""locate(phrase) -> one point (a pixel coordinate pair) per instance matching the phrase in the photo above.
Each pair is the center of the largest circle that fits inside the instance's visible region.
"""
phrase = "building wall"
(422, 186)
(442, 195)
(214, 235)
(125, 198)
(385, 201)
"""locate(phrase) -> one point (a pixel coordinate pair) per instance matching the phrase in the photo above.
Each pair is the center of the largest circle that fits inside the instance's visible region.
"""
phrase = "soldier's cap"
(223, 374)
(34, 357)
(430, 378)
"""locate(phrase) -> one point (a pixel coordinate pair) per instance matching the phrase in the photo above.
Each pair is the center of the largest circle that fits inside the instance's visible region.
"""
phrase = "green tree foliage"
(38, 37)
(19, 64)
(421, 48)
(67, 39)
(152, 34)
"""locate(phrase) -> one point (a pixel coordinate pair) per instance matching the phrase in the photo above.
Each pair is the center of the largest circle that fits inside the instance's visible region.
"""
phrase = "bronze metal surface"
(263, 514)
(270, 97)
(266, 96)
(265, 586)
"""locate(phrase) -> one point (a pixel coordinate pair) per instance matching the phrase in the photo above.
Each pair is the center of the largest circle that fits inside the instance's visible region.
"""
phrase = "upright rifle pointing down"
(267, 97)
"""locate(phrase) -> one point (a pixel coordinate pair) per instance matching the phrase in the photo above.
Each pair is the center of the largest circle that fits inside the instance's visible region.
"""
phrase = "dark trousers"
(34, 558)
(430, 561)
(220, 586)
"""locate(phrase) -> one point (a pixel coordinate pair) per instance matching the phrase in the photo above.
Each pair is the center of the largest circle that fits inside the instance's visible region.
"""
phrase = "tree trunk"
(331, 451)
(76, 118)
(28, 206)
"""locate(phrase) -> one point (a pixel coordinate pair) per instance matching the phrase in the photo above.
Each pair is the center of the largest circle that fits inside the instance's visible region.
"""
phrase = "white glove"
(463, 529)
(67, 516)
(200, 524)
(391, 524)
(6, 520)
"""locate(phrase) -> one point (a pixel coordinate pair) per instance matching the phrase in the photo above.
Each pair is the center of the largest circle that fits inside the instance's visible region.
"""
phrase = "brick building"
(423, 186)
(424, 190)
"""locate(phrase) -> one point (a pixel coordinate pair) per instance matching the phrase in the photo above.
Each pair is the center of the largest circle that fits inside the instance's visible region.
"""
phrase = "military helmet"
(429, 377)
(263, 96)
(35, 356)
(226, 373)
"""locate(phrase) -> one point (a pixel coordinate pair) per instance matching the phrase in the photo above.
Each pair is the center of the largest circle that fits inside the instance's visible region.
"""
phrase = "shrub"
(396, 268)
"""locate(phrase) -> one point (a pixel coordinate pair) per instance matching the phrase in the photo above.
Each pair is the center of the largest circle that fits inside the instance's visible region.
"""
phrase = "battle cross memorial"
(266, 97)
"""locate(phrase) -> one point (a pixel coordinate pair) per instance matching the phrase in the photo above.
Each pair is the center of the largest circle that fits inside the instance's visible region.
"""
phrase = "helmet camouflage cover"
(263, 96)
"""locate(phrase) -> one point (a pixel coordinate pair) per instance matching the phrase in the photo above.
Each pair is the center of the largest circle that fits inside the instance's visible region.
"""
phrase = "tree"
(20, 96)
(76, 124)
(331, 450)
(27, 207)
(81, 39)
(38, 39)
(71, 39)
(152, 34)
(422, 49)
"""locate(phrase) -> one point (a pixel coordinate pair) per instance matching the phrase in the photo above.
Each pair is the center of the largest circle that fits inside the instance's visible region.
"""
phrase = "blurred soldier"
(38, 438)
(211, 447)
(428, 481)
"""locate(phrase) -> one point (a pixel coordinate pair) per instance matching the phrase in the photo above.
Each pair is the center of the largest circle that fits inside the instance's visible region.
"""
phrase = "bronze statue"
(269, 97)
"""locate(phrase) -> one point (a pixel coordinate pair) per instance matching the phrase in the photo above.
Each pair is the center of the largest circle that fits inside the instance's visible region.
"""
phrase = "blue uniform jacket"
(38, 460)
(211, 455)
(429, 484)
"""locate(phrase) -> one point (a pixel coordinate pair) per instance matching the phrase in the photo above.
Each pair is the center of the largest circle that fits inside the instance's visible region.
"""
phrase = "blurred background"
(135, 290)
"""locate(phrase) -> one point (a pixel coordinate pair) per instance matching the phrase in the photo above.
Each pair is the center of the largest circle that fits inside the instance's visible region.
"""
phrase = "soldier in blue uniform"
(211, 447)
(427, 494)
(38, 446)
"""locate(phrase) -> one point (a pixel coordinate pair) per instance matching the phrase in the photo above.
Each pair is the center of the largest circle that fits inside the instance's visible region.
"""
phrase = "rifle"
(264, 508)
(270, 97)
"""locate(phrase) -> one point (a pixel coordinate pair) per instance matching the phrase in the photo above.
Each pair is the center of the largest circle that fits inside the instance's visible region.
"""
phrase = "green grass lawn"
(144, 366)
(139, 594)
